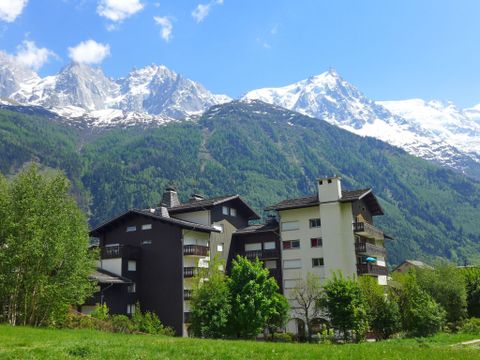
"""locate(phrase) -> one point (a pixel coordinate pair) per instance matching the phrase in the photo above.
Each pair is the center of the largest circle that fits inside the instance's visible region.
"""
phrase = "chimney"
(170, 197)
(196, 197)
(329, 189)
(164, 211)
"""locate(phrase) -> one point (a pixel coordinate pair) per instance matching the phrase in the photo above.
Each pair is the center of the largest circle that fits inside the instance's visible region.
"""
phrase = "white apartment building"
(329, 232)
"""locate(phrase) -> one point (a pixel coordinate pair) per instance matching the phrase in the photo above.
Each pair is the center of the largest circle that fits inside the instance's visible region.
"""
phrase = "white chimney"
(329, 189)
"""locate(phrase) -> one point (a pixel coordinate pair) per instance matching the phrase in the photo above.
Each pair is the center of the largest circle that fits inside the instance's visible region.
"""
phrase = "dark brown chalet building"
(150, 256)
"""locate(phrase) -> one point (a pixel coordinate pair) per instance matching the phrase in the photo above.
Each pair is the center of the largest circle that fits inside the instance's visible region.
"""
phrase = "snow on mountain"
(150, 94)
(432, 130)
(158, 90)
(14, 76)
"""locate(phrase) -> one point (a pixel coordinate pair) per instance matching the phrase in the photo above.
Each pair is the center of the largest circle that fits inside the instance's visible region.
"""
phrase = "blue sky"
(388, 49)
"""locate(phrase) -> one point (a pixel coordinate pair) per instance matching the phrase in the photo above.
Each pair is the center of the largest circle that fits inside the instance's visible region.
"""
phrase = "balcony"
(371, 269)
(368, 230)
(370, 249)
(262, 254)
(120, 251)
(195, 250)
(191, 271)
(187, 294)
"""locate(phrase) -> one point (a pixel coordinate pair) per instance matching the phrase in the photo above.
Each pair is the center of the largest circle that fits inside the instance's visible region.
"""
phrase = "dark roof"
(195, 205)
(182, 223)
(106, 277)
(347, 196)
(271, 226)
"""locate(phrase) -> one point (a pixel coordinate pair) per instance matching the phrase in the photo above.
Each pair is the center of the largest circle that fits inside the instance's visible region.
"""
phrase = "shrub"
(100, 312)
(283, 337)
(122, 324)
(471, 326)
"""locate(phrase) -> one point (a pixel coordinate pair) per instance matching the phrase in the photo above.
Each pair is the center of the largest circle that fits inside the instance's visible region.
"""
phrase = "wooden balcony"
(262, 254)
(370, 249)
(195, 250)
(187, 294)
(371, 269)
(368, 230)
(191, 271)
(120, 251)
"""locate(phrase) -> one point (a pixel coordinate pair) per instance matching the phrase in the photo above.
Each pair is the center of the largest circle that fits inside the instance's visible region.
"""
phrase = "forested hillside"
(262, 152)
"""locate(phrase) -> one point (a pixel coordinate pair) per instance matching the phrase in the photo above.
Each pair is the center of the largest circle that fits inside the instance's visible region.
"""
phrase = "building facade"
(331, 231)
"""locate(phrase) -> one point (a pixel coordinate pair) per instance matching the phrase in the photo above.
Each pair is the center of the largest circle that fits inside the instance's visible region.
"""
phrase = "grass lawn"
(29, 343)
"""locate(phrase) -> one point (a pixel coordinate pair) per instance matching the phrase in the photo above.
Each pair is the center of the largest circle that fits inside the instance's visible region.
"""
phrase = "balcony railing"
(195, 250)
(371, 269)
(368, 230)
(369, 249)
(191, 271)
(187, 294)
(262, 254)
(119, 251)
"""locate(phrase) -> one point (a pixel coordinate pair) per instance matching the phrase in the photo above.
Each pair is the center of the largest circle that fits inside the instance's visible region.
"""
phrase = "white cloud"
(89, 52)
(202, 10)
(118, 10)
(10, 9)
(32, 56)
(166, 26)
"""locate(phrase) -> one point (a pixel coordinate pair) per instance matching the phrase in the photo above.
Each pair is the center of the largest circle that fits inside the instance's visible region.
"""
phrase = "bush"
(471, 326)
(100, 312)
(122, 324)
(283, 337)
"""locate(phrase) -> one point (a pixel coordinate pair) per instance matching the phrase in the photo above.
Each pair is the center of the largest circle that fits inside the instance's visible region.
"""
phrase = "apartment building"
(328, 232)
(150, 256)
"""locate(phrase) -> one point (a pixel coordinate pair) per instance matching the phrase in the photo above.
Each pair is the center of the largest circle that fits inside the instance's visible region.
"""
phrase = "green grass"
(29, 343)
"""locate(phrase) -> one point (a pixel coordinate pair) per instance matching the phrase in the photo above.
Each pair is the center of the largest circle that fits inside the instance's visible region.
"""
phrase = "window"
(130, 309)
(229, 211)
(220, 247)
(271, 264)
(132, 265)
(290, 284)
(292, 264)
(315, 223)
(291, 244)
(317, 262)
(316, 242)
(131, 228)
(146, 242)
(290, 225)
(269, 245)
(253, 247)
(147, 227)
(132, 288)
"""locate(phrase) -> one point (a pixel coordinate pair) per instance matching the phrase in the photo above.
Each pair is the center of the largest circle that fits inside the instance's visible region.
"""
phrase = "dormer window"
(229, 211)
(131, 228)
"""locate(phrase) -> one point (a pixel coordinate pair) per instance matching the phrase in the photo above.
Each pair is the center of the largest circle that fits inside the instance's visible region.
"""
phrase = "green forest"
(262, 152)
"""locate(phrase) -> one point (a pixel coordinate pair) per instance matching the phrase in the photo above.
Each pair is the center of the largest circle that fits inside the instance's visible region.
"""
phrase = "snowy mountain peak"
(153, 90)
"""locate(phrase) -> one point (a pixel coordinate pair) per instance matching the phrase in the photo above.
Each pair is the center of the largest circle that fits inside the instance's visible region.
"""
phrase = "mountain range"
(155, 95)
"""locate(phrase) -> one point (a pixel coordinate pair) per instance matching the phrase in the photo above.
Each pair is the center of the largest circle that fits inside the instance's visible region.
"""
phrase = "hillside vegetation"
(262, 152)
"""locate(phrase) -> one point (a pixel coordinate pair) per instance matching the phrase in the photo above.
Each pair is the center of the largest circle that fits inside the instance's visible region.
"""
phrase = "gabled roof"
(268, 227)
(103, 276)
(182, 223)
(204, 204)
(347, 196)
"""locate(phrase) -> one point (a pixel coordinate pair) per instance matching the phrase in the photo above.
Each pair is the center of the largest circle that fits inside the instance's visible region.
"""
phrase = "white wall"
(199, 217)
(338, 238)
(112, 265)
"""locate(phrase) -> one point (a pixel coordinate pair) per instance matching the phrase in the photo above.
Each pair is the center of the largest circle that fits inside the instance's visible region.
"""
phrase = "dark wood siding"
(159, 273)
